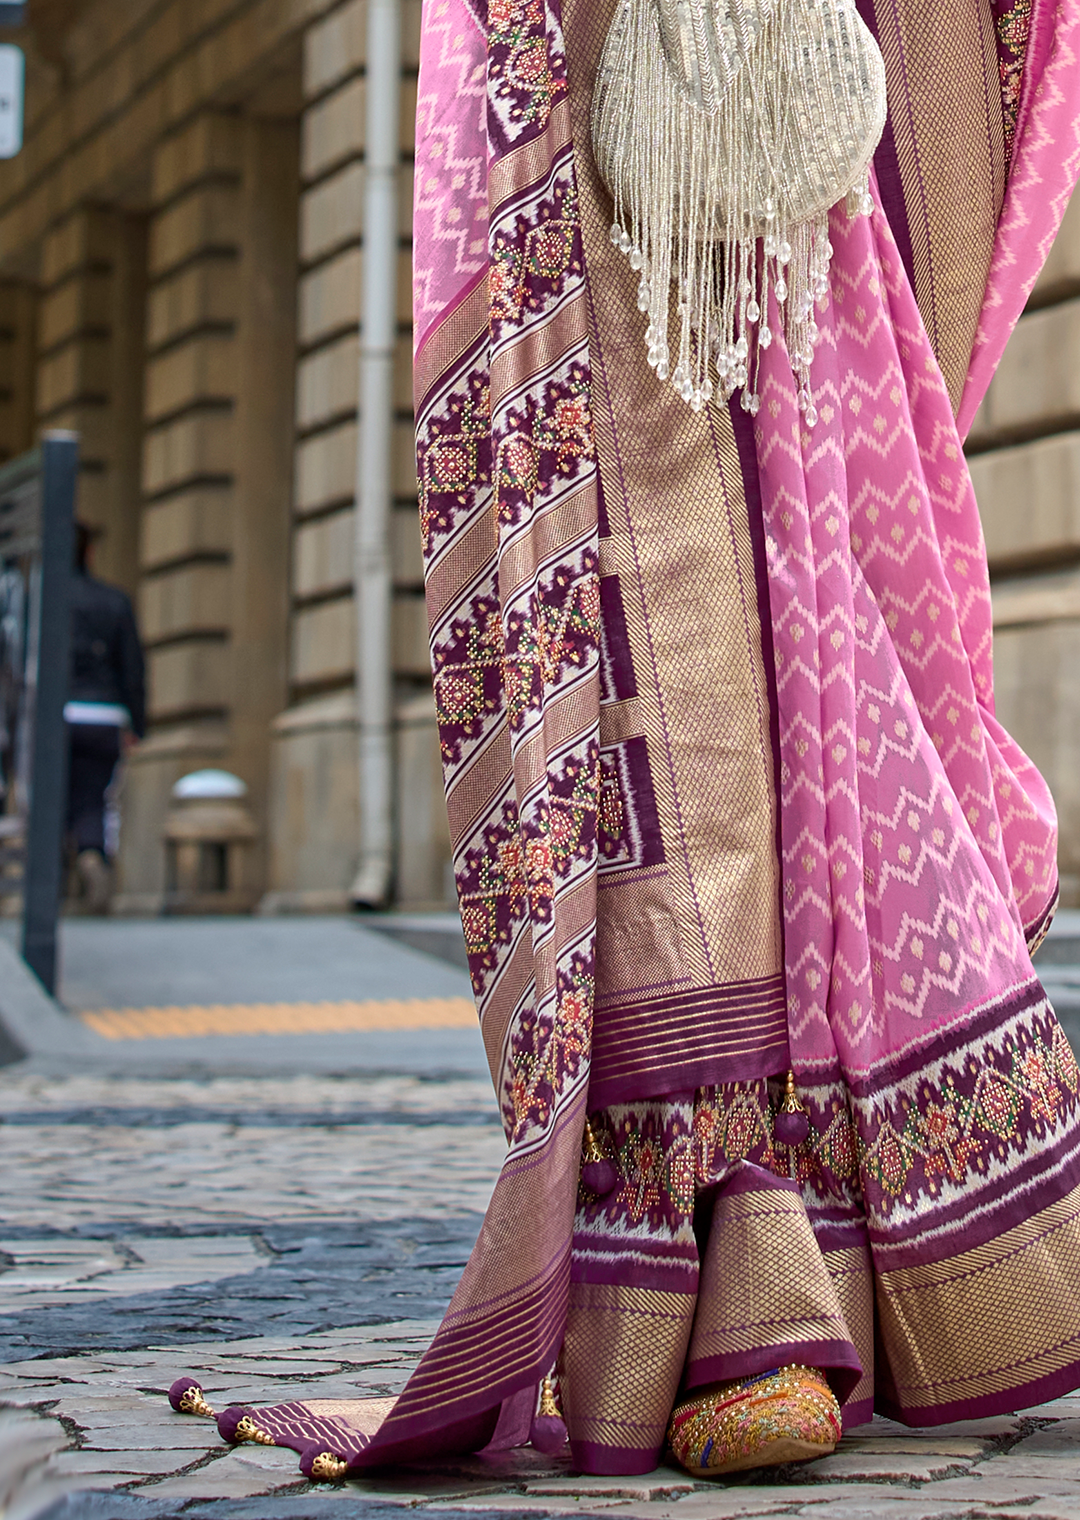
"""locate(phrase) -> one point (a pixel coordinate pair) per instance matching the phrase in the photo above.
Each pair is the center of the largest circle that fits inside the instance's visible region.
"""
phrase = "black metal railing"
(37, 548)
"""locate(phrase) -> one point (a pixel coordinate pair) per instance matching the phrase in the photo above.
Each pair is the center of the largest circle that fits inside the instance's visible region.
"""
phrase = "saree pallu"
(725, 787)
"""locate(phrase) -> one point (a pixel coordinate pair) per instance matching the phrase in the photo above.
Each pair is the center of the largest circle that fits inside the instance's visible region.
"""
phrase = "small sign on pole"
(12, 77)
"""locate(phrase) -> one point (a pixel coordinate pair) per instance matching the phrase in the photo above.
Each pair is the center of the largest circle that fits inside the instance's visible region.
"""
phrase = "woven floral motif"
(512, 872)
(667, 1150)
(732, 1123)
(493, 890)
(526, 67)
(994, 1102)
(558, 627)
(489, 462)
(541, 442)
(1000, 1099)
(651, 1147)
(549, 1050)
(993, 1107)
(453, 457)
(469, 660)
(532, 252)
(562, 833)
(1013, 25)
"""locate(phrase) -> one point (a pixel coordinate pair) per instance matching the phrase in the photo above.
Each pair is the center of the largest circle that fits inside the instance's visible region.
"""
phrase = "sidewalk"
(216, 966)
(286, 1223)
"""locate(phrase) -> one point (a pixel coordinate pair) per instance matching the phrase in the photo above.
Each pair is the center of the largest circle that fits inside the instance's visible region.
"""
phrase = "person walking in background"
(105, 712)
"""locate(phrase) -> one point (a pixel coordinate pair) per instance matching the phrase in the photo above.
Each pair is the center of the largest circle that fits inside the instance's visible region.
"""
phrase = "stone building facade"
(1024, 450)
(181, 248)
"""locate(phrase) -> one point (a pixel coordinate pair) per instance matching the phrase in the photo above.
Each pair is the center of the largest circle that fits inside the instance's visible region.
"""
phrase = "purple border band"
(1035, 932)
(837, 1359)
(859, 1413)
(615, 1461)
(766, 989)
(736, 1033)
(943, 1042)
(466, 1435)
(1043, 1180)
(1024, 1396)
(696, 1069)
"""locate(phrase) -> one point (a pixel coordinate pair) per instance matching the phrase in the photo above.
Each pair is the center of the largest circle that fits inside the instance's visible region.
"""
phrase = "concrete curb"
(31, 1022)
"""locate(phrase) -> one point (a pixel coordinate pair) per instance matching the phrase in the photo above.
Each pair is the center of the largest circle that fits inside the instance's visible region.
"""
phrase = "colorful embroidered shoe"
(788, 1415)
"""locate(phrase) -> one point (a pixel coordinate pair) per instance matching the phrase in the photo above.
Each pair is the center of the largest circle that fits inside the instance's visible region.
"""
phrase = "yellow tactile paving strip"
(279, 1018)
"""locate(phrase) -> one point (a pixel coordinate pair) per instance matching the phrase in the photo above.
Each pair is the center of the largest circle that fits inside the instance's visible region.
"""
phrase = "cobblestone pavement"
(276, 1232)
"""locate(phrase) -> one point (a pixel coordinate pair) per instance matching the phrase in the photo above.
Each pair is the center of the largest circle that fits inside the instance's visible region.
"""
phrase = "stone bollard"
(208, 836)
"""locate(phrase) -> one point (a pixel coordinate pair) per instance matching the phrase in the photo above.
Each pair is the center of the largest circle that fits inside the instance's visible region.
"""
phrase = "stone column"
(89, 368)
(1024, 451)
(315, 813)
(18, 323)
(262, 493)
(214, 543)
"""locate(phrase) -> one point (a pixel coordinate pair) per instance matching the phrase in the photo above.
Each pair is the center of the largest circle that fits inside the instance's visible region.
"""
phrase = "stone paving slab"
(104, 1420)
(278, 1233)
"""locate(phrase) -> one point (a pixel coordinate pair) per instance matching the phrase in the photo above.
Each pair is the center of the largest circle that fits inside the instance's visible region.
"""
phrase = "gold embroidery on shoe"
(723, 1429)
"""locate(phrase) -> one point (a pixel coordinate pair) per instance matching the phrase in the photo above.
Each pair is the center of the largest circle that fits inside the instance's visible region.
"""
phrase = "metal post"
(372, 571)
(49, 755)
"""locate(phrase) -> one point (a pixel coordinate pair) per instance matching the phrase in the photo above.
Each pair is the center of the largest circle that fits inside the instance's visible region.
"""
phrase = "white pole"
(372, 569)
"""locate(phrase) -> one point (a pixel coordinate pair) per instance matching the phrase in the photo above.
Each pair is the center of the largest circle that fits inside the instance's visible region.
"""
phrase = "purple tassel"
(599, 1177)
(229, 1419)
(792, 1128)
(186, 1397)
(548, 1433)
(180, 1391)
(322, 1466)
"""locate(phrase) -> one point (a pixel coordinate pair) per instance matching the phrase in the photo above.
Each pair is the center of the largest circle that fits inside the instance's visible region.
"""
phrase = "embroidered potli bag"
(716, 124)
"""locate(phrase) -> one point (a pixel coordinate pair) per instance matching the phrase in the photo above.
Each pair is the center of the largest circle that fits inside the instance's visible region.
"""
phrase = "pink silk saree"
(725, 785)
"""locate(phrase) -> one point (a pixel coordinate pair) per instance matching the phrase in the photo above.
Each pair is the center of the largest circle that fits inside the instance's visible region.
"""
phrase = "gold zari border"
(971, 1325)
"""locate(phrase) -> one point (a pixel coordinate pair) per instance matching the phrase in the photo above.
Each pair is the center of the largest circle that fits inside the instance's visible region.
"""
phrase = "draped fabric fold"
(726, 790)
(916, 842)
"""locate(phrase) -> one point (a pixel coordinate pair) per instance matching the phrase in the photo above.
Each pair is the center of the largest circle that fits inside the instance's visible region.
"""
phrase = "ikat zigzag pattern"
(450, 195)
(915, 836)
(1044, 169)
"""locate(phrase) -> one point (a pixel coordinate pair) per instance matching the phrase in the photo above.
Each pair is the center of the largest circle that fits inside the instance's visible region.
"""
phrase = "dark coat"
(106, 656)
